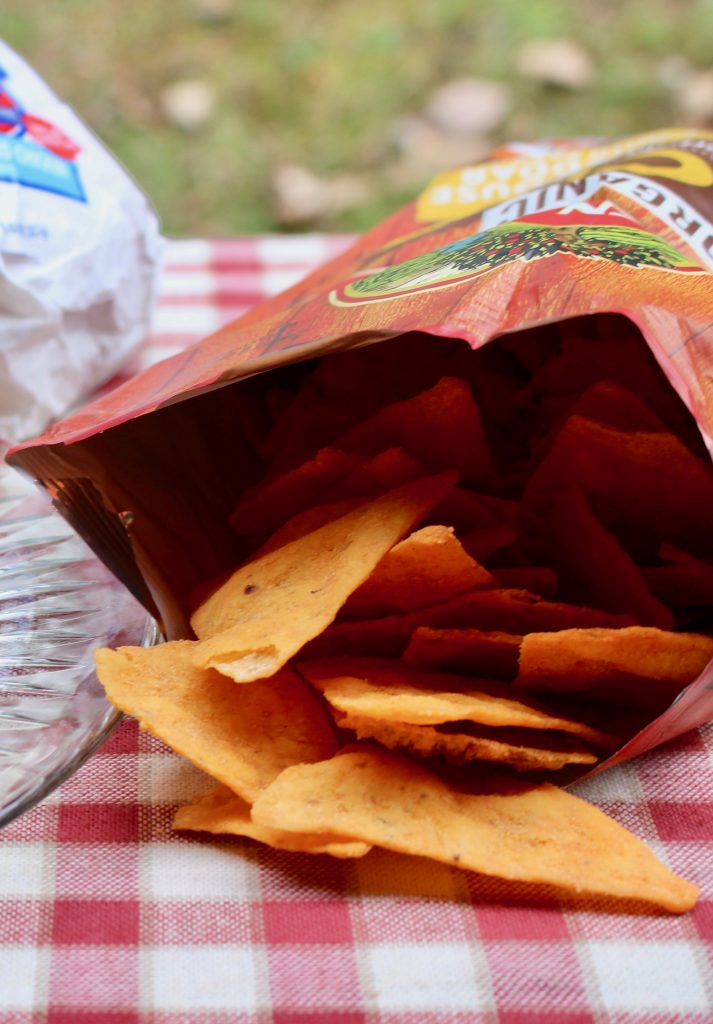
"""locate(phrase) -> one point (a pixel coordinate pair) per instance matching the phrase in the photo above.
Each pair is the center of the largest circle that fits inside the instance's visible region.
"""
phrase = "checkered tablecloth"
(108, 917)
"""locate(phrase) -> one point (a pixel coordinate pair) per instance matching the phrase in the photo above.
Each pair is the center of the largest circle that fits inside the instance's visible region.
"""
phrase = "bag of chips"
(438, 516)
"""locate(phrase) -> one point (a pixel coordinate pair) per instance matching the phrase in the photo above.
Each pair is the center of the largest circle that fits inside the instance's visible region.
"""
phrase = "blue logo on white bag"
(34, 152)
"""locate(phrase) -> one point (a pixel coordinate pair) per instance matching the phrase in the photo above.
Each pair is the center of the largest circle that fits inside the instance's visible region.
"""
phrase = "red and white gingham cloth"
(108, 917)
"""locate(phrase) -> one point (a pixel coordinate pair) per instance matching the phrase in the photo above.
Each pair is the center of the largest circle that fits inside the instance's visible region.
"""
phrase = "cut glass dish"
(58, 602)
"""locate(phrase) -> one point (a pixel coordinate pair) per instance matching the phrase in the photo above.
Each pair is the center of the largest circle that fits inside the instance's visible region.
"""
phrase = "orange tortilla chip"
(506, 510)
(622, 474)
(594, 567)
(518, 611)
(440, 428)
(351, 385)
(271, 502)
(394, 692)
(538, 579)
(635, 367)
(243, 736)
(615, 406)
(460, 743)
(640, 666)
(221, 812)
(466, 511)
(426, 568)
(306, 522)
(671, 553)
(485, 542)
(684, 583)
(515, 832)
(506, 611)
(388, 469)
(307, 423)
(271, 607)
(565, 383)
(494, 655)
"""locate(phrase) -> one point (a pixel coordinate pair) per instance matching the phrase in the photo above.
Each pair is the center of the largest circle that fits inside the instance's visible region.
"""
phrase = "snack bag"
(530, 342)
(79, 253)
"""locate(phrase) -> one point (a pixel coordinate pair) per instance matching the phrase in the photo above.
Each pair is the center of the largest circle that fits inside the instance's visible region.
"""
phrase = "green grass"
(320, 84)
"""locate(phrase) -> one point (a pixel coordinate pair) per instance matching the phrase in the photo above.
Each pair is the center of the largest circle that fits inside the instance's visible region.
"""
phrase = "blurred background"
(245, 116)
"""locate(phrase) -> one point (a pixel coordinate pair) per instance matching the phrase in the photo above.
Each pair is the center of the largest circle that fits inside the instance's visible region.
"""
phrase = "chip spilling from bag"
(452, 605)
(523, 832)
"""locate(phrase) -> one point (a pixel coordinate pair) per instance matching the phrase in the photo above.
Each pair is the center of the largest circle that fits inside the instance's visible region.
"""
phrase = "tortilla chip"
(594, 567)
(639, 667)
(493, 655)
(605, 402)
(497, 379)
(538, 579)
(461, 743)
(465, 511)
(506, 510)
(384, 471)
(426, 568)
(271, 502)
(394, 692)
(440, 428)
(632, 362)
(270, 608)
(306, 522)
(622, 474)
(390, 469)
(671, 553)
(686, 583)
(518, 611)
(517, 832)
(352, 385)
(485, 542)
(615, 406)
(507, 611)
(222, 812)
(241, 735)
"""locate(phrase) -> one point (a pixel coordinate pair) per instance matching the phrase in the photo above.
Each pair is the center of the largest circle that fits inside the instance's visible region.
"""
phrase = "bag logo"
(34, 152)
(615, 238)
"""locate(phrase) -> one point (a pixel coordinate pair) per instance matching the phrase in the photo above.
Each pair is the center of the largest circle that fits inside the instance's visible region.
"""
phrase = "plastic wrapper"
(537, 235)
(79, 254)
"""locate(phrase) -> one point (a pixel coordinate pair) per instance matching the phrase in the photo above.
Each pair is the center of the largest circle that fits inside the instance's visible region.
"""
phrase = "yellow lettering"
(473, 189)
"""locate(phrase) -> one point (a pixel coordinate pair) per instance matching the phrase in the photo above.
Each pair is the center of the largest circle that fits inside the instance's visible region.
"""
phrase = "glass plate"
(58, 602)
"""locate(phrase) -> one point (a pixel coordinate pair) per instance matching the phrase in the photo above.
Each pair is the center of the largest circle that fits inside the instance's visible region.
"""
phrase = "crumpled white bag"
(79, 256)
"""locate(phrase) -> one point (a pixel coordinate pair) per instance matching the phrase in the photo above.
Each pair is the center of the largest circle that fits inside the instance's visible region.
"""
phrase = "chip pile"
(468, 579)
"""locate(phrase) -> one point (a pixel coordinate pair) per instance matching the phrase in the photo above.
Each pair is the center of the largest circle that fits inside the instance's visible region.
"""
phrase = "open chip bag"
(431, 532)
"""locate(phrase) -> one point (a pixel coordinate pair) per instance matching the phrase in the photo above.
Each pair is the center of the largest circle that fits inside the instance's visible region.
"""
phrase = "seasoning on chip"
(521, 832)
